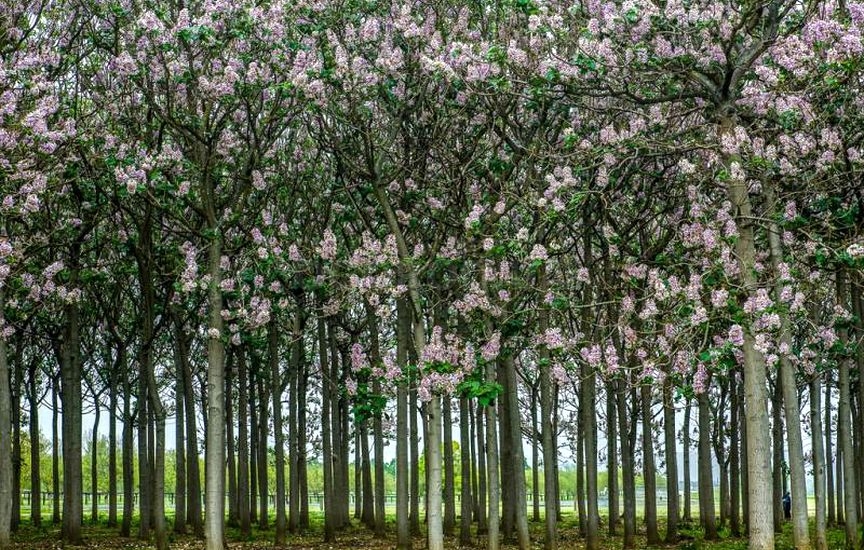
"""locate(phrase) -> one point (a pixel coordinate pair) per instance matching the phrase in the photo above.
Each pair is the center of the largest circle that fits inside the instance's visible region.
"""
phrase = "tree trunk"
(378, 446)
(579, 496)
(755, 406)
(340, 463)
(612, 459)
(368, 502)
(112, 441)
(263, 482)
(821, 542)
(480, 467)
(435, 531)
(685, 433)
(589, 424)
(414, 517)
(253, 444)
(547, 419)
(179, 448)
(5, 434)
(449, 521)
(670, 451)
(514, 438)
(35, 443)
(145, 511)
(777, 458)
(326, 432)
(403, 329)
(293, 405)
(627, 466)
(492, 479)
(233, 493)
(94, 466)
(55, 452)
(278, 436)
(128, 473)
(791, 406)
(844, 430)
(649, 473)
(734, 454)
(17, 375)
(243, 446)
(193, 475)
(838, 476)
(467, 500)
(829, 455)
(215, 438)
(706, 485)
(73, 510)
(535, 453)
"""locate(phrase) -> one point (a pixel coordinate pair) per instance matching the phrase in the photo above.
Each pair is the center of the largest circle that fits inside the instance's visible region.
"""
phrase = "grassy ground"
(359, 538)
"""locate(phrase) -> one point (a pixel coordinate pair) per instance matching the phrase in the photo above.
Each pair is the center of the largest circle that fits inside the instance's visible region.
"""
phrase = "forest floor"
(358, 538)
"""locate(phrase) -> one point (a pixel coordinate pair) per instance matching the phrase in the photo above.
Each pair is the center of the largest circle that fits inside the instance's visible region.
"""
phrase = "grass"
(359, 538)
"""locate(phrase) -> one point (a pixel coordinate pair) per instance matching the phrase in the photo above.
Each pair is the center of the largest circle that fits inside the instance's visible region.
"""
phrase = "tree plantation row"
(536, 227)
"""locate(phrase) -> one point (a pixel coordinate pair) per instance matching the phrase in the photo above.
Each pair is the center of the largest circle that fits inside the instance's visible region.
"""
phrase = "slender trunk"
(378, 446)
(777, 457)
(263, 466)
(589, 424)
(15, 520)
(215, 437)
(612, 459)
(293, 405)
(844, 431)
(492, 479)
(547, 419)
(326, 432)
(302, 474)
(193, 475)
(243, 445)
(73, 510)
(35, 445)
(482, 520)
(838, 476)
(535, 453)
(435, 531)
(685, 433)
(755, 383)
(339, 465)
(514, 425)
(358, 475)
(734, 462)
(126, 458)
(791, 406)
(627, 467)
(94, 466)
(821, 542)
(5, 435)
(745, 478)
(449, 522)
(278, 436)
(466, 503)
(112, 445)
(706, 485)
(179, 449)
(55, 452)
(829, 455)
(233, 493)
(414, 517)
(649, 474)
(579, 496)
(253, 447)
(670, 451)
(368, 503)
(403, 528)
